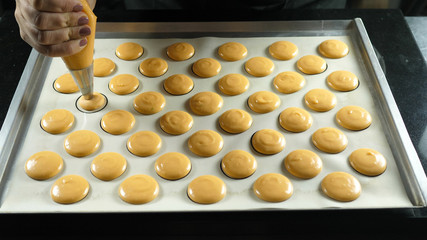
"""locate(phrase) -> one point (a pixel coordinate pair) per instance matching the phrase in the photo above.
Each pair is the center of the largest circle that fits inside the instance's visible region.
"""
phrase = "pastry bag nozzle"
(84, 80)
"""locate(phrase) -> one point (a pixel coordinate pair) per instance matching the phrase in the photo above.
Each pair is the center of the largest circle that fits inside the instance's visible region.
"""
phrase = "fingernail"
(84, 31)
(83, 21)
(78, 8)
(83, 42)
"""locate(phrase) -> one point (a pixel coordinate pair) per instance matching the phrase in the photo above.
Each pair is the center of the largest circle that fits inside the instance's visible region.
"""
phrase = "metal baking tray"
(404, 183)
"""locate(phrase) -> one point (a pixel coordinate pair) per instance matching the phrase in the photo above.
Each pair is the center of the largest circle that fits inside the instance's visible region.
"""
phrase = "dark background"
(390, 35)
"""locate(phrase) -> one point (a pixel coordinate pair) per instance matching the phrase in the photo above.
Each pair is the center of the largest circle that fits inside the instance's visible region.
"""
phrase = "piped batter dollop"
(238, 164)
(263, 102)
(205, 143)
(144, 143)
(82, 143)
(69, 189)
(129, 51)
(43, 165)
(172, 166)
(232, 51)
(330, 140)
(333, 48)
(139, 189)
(341, 186)
(153, 67)
(206, 67)
(180, 51)
(206, 103)
(206, 189)
(311, 64)
(295, 119)
(259, 66)
(57, 121)
(283, 50)
(149, 102)
(268, 141)
(273, 187)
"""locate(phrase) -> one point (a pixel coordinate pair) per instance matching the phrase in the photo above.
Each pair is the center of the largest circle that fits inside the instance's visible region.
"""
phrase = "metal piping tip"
(84, 80)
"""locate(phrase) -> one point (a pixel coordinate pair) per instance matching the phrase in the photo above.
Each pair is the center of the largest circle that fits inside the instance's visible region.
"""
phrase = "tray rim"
(410, 167)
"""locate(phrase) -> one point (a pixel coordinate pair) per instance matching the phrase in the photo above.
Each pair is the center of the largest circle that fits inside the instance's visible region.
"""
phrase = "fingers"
(53, 21)
(52, 43)
(57, 6)
(62, 35)
(64, 49)
(55, 28)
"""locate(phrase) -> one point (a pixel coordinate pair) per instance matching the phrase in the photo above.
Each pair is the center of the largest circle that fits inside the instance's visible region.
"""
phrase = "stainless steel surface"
(20, 111)
(403, 150)
(84, 80)
(25, 99)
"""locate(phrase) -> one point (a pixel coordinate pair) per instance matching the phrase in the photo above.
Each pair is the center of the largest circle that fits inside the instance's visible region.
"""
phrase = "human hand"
(55, 28)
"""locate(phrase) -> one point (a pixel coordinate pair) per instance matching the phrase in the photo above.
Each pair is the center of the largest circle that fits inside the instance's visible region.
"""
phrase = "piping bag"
(81, 63)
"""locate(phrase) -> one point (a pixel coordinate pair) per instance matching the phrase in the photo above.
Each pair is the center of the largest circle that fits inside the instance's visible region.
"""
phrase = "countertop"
(406, 72)
(419, 30)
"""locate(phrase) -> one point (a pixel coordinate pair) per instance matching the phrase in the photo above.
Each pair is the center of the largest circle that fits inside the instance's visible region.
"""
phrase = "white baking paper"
(24, 194)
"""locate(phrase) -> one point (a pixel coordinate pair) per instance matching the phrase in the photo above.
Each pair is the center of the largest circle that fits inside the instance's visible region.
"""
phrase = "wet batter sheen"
(153, 67)
(108, 166)
(341, 186)
(144, 143)
(180, 51)
(206, 67)
(84, 58)
(368, 161)
(311, 64)
(139, 189)
(123, 84)
(320, 100)
(117, 122)
(97, 102)
(66, 84)
(353, 118)
(206, 103)
(82, 143)
(295, 119)
(259, 66)
(330, 140)
(103, 67)
(178, 84)
(343, 81)
(283, 50)
(129, 51)
(206, 189)
(233, 84)
(238, 164)
(268, 141)
(273, 187)
(149, 102)
(289, 82)
(333, 49)
(57, 121)
(232, 51)
(44, 165)
(205, 143)
(303, 163)
(235, 121)
(172, 166)
(263, 102)
(176, 122)
(69, 189)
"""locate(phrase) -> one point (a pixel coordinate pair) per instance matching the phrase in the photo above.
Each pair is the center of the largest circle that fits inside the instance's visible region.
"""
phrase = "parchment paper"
(24, 194)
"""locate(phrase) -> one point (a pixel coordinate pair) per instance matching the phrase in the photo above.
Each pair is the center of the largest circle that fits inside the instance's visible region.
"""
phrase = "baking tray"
(402, 185)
